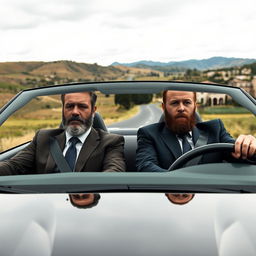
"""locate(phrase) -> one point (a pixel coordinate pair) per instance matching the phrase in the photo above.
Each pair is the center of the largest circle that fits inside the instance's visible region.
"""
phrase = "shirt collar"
(82, 137)
(188, 134)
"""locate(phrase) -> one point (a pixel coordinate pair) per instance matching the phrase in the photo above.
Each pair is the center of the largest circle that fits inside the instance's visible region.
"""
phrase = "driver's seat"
(98, 122)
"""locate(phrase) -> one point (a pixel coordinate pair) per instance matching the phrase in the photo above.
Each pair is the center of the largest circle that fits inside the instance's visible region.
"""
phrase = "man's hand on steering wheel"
(245, 147)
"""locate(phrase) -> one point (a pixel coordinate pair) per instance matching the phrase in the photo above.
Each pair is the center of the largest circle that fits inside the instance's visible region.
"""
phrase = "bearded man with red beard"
(160, 144)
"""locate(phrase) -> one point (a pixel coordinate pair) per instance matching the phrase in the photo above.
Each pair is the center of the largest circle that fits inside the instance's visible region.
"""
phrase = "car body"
(133, 214)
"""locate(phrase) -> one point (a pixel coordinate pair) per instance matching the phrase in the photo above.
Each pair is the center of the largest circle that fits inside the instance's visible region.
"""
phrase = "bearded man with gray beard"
(85, 149)
(160, 144)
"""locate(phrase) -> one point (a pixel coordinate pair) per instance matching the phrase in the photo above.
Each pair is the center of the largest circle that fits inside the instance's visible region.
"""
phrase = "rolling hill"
(15, 76)
(58, 68)
(204, 64)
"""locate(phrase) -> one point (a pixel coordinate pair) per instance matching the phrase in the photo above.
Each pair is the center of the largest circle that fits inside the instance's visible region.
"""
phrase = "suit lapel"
(200, 137)
(195, 135)
(90, 144)
(61, 139)
(171, 141)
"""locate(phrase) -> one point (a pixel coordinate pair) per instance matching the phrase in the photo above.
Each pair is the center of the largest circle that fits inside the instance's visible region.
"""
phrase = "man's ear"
(94, 109)
(163, 106)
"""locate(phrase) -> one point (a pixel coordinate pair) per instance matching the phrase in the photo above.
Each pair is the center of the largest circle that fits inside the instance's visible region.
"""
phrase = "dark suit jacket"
(101, 151)
(158, 147)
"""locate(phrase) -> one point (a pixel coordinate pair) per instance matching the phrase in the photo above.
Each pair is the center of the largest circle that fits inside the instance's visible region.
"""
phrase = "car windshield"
(124, 109)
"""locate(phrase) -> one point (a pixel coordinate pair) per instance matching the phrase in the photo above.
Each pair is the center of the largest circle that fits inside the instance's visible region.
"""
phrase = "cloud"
(107, 31)
(30, 14)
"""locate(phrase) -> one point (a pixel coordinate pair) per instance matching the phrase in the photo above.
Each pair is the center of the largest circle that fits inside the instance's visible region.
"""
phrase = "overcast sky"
(105, 31)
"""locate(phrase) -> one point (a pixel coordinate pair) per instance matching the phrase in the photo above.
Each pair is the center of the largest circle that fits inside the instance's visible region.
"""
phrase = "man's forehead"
(78, 96)
(179, 95)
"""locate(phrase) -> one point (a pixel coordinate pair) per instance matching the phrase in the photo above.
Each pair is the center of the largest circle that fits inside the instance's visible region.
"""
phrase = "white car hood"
(128, 224)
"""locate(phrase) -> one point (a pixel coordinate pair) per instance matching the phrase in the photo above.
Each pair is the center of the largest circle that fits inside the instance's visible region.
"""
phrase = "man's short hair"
(92, 95)
(165, 92)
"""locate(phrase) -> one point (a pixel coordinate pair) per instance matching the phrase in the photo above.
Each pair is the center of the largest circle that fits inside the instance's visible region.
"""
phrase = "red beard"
(181, 123)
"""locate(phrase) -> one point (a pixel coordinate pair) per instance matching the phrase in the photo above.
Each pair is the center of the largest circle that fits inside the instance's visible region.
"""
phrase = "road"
(148, 114)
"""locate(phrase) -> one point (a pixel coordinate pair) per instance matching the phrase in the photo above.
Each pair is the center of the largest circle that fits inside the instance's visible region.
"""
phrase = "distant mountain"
(204, 64)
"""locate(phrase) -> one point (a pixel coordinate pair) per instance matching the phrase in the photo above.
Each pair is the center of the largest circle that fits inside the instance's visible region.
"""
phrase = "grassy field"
(236, 124)
(223, 110)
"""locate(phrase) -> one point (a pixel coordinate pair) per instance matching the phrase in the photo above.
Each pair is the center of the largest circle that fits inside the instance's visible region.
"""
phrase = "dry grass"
(17, 131)
(121, 115)
(5, 97)
(236, 124)
(6, 143)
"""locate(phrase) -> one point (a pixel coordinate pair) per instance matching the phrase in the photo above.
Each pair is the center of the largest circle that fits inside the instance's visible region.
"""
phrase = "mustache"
(181, 115)
(75, 118)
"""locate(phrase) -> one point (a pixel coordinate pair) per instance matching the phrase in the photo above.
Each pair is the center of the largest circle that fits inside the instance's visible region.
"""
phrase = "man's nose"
(75, 111)
(181, 107)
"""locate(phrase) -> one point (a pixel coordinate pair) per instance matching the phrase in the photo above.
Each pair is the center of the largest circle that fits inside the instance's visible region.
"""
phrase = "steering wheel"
(209, 148)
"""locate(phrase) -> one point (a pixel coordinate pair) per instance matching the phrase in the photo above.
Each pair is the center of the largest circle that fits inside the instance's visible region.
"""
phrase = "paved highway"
(148, 114)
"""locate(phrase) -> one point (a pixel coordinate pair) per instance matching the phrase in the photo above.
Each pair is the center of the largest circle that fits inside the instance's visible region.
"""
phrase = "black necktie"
(185, 145)
(71, 153)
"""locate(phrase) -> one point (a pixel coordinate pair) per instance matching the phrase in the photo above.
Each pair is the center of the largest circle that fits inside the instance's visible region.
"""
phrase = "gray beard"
(81, 129)
(76, 131)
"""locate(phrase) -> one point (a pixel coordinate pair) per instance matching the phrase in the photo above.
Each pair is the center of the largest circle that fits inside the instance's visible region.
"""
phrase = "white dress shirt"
(79, 145)
(189, 139)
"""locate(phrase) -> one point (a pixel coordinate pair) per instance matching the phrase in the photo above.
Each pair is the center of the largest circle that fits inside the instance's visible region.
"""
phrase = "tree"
(129, 100)
(141, 98)
(124, 100)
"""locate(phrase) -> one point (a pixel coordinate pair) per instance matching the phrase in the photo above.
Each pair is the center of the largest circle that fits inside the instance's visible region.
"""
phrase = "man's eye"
(83, 106)
(173, 103)
(69, 106)
(187, 102)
